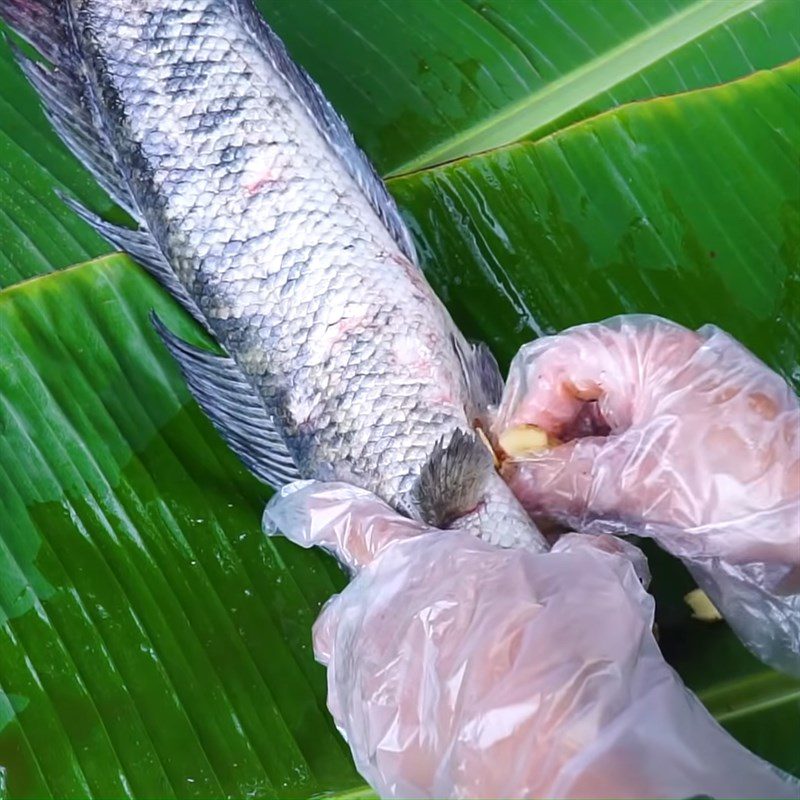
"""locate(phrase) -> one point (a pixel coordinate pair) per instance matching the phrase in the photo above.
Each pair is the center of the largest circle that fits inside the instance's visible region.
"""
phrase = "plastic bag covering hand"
(456, 669)
(679, 435)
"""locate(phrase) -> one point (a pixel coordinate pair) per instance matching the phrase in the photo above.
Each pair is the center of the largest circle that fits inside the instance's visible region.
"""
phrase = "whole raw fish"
(257, 211)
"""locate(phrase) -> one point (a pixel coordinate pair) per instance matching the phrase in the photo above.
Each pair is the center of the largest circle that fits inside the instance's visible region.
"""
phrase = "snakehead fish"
(259, 214)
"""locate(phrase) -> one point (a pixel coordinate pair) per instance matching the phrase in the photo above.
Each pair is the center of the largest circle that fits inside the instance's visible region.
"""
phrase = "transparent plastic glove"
(456, 669)
(679, 435)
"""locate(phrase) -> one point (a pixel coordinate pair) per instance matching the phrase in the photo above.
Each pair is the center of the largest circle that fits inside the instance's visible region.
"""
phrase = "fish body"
(258, 212)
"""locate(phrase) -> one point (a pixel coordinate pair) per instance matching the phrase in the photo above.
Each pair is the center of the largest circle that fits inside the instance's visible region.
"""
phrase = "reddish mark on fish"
(474, 510)
(442, 398)
(270, 176)
(416, 356)
(345, 326)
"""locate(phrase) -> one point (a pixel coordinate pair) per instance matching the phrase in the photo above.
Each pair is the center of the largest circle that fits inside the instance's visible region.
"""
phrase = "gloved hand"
(457, 669)
(685, 437)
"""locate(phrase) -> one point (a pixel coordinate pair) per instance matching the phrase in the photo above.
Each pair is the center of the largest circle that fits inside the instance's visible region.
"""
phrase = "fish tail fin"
(66, 94)
(453, 480)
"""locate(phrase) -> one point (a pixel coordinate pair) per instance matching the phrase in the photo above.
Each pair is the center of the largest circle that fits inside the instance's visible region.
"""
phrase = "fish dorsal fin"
(332, 127)
(234, 407)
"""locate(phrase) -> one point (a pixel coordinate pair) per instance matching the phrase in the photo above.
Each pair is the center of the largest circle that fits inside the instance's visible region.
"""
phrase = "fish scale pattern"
(279, 243)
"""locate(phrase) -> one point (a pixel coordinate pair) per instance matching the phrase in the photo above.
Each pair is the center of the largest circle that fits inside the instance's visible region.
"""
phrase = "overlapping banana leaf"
(684, 206)
(425, 81)
(152, 641)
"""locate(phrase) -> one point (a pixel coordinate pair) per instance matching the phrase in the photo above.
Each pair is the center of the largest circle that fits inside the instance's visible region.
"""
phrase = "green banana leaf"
(426, 81)
(686, 206)
(420, 81)
(152, 641)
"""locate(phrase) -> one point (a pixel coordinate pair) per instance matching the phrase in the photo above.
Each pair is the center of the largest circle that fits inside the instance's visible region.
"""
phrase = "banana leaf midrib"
(510, 147)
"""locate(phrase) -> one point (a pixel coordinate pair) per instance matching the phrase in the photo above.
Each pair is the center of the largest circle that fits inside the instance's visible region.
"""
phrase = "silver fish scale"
(297, 277)
(287, 259)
